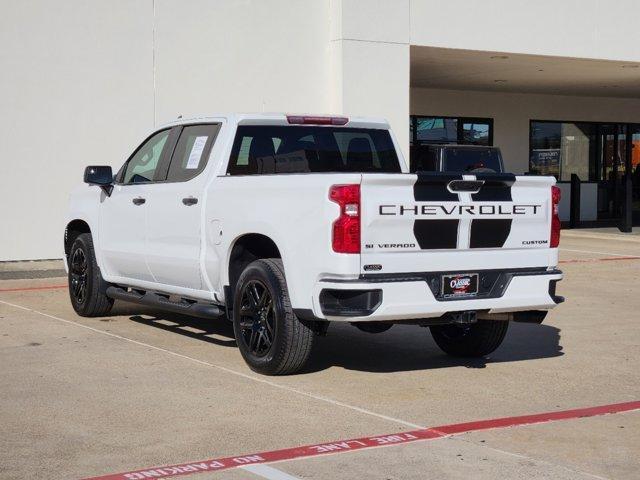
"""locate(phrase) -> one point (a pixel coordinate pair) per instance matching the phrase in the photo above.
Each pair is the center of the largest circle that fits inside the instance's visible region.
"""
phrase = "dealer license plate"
(461, 285)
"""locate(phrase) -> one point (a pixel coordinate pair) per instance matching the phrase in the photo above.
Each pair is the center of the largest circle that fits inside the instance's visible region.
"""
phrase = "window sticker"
(196, 152)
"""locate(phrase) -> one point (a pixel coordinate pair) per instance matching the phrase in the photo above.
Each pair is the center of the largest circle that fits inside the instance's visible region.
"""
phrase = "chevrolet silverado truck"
(285, 223)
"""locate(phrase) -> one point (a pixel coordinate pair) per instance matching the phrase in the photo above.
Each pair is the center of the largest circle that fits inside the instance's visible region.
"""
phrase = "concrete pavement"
(85, 397)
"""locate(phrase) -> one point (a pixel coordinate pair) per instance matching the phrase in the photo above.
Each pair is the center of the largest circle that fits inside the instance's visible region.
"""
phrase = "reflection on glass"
(475, 133)
(411, 131)
(450, 130)
(437, 130)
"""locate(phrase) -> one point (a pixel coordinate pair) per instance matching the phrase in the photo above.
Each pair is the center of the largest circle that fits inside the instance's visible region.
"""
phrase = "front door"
(175, 211)
(123, 215)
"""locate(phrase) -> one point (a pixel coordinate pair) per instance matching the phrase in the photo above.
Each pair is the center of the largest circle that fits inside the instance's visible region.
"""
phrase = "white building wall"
(76, 88)
(370, 61)
(83, 82)
(241, 56)
(599, 29)
(512, 112)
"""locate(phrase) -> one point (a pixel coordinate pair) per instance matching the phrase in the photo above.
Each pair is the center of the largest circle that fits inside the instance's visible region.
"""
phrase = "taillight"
(346, 229)
(309, 120)
(556, 194)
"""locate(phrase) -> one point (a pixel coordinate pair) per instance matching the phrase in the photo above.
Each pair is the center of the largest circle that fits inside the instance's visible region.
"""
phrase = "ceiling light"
(499, 57)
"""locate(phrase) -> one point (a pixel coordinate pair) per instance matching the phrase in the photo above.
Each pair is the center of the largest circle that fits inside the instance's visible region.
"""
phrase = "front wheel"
(472, 340)
(87, 288)
(270, 337)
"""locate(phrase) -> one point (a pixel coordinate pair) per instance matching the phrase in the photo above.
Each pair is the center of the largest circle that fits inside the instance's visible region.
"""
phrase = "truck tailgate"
(449, 222)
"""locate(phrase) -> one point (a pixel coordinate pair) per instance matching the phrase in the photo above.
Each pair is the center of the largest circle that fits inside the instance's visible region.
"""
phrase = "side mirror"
(101, 176)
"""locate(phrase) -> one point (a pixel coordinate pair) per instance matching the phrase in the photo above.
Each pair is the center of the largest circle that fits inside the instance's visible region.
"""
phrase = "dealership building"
(554, 83)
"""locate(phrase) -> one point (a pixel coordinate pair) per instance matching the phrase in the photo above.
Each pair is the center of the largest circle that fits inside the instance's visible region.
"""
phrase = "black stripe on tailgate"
(435, 234)
(496, 188)
(490, 233)
(432, 234)
(432, 187)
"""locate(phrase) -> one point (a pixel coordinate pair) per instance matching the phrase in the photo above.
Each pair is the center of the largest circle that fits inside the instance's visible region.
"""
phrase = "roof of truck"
(279, 119)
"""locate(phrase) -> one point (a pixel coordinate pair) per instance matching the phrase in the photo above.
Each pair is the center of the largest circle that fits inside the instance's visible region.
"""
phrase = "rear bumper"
(414, 296)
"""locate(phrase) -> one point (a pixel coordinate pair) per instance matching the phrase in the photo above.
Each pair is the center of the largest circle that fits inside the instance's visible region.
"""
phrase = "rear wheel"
(270, 337)
(472, 340)
(87, 289)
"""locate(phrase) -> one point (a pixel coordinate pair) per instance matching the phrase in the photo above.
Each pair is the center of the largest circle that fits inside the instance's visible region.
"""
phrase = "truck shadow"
(407, 348)
(402, 348)
(218, 332)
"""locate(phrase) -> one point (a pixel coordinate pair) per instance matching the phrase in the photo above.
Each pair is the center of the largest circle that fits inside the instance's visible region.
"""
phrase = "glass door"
(634, 169)
(612, 160)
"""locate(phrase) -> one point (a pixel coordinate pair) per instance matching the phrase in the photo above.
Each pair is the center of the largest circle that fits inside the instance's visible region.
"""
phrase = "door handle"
(188, 201)
(139, 200)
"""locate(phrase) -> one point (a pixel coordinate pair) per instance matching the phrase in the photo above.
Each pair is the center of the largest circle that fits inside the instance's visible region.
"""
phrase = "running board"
(162, 302)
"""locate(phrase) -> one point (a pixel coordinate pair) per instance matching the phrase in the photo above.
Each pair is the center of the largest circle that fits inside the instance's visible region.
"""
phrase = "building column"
(369, 57)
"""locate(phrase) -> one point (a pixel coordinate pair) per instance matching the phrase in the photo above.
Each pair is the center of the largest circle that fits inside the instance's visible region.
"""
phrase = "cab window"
(192, 152)
(142, 166)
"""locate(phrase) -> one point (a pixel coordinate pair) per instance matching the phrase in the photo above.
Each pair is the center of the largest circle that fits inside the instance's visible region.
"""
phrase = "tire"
(270, 337)
(473, 340)
(87, 288)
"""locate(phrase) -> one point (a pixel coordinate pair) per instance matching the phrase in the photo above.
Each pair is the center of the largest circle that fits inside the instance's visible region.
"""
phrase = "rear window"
(472, 159)
(309, 149)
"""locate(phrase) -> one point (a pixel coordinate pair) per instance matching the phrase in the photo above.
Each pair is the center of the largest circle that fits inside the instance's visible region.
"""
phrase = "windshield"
(472, 159)
(306, 149)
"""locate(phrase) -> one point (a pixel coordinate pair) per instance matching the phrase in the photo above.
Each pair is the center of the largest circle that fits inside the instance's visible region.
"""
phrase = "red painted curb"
(605, 259)
(341, 446)
(26, 289)
(538, 418)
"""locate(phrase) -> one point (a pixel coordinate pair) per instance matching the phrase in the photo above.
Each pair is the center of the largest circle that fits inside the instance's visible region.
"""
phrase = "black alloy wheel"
(87, 288)
(257, 318)
(78, 271)
(271, 339)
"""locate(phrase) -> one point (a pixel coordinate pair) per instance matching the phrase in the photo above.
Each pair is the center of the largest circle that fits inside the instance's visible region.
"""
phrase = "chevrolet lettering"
(499, 209)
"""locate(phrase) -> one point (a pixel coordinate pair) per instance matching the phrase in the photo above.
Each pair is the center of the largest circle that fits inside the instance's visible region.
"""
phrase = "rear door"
(174, 216)
(453, 222)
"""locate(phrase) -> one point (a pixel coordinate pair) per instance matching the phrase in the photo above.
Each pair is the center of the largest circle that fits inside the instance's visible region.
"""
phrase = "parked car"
(456, 158)
(283, 224)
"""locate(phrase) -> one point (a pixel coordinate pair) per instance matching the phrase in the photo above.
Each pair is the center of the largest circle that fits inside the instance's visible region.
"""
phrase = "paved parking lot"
(142, 390)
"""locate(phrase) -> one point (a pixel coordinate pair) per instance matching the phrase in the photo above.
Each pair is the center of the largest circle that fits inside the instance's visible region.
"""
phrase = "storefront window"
(563, 148)
(455, 130)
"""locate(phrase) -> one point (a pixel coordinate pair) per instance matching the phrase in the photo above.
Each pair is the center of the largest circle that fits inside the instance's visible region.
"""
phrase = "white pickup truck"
(283, 224)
